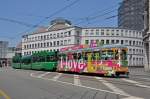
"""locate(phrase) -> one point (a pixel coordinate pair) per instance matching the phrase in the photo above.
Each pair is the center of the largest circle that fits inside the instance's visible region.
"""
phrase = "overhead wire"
(18, 22)
(53, 14)
(91, 17)
(60, 10)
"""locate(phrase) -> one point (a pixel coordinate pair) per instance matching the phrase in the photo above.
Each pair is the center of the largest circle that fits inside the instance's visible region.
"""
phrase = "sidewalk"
(139, 71)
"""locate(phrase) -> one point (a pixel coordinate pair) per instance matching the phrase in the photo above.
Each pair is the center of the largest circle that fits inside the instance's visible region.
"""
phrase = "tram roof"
(96, 48)
(114, 46)
(26, 57)
(44, 53)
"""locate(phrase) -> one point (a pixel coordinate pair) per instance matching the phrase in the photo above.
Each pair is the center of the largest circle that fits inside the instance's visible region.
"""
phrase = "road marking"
(131, 81)
(136, 83)
(111, 86)
(101, 90)
(132, 97)
(77, 80)
(67, 83)
(2, 93)
(116, 89)
(55, 78)
(42, 75)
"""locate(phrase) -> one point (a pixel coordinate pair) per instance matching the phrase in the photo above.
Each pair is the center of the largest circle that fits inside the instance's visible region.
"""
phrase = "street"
(29, 84)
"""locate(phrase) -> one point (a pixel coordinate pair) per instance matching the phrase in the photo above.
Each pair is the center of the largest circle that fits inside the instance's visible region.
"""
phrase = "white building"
(62, 34)
(147, 35)
(58, 35)
(131, 38)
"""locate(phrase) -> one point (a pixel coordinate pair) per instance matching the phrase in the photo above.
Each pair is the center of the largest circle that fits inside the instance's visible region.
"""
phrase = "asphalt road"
(29, 84)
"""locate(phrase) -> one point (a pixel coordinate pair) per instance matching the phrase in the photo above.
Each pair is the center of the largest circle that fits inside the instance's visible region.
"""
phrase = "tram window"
(97, 56)
(93, 56)
(124, 55)
(85, 56)
(34, 59)
(48, 58)
(116, 55)
(74, 56)
(42, 59)
(79, 56)
(107, 55)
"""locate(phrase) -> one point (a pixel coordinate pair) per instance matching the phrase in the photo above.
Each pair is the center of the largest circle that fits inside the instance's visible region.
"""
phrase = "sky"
(19, 17)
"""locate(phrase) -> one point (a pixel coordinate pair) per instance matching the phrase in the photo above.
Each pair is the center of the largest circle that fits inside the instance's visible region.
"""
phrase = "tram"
(38, 61)
(109, 60)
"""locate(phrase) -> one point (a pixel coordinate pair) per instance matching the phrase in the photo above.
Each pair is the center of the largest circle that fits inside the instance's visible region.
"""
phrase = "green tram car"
(38, 61)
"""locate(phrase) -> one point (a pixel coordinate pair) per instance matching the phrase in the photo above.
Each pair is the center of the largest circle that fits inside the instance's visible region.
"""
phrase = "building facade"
(53, 39)
(147, 35)
(3, 49)
(58, 35)
(131, 14)
(131, 38)
(6, 53)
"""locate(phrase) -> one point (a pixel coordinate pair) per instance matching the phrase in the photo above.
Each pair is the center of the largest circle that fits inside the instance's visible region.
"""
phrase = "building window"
(65, 34)
(62, 34)
(47, 44)
(86, 32)
(54, 35)
(130, 50)
(44, 44)
(137, 51)
(35, 38)
(38, 45)
(92, 32)
(137, 43)
(130, 42)
(107, 41)
(117, 41)
(126, 42)
(122, 33)
(142, 51)
(54, 43)
(65, 42)
(69, 33)
(69, 41)
(45, 37)
(112, 32)
(58, 35)
(112, 41)
(102, 32)
(78, 41)
(61, 43)
(87, 42)
(97, 41)
(41, 44)
(133, 42)
(51, 44)
(97, 32)
(117, 32)
(102, 41)
(41, 37)
(133, 51)
(107, 32)
(32, 45)
(24, 46)
(57, 43)
(35, 45)
(51, 36)
(122, 41)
